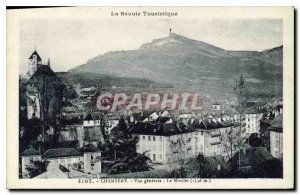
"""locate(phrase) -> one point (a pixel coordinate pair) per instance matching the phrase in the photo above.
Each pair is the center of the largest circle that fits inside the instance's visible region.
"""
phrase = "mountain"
(187, 63)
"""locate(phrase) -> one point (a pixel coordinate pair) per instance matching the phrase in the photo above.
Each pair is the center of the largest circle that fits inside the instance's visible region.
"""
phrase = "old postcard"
(150, 98)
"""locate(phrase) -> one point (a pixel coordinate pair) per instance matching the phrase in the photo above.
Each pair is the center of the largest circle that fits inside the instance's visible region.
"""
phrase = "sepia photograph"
(151, 96)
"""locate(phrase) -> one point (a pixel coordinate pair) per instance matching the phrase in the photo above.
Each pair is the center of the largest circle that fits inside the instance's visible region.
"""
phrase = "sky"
(71, 42)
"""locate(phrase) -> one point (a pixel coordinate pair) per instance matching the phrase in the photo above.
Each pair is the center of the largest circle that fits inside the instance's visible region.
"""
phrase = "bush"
(145, 174)
(106, 165)
(178, 173)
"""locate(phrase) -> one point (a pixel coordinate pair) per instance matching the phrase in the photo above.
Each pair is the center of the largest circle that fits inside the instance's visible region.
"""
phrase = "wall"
(91, 164)
(276, 141)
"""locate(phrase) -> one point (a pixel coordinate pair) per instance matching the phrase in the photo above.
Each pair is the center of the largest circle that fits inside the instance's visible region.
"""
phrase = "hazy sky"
(71, 42)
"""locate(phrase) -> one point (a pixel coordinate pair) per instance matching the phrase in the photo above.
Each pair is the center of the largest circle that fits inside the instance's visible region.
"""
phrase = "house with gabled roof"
(28, 157)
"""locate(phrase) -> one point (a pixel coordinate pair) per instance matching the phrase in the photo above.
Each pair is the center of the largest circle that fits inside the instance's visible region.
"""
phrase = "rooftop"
(166, 129)
(276, 124)
(89, 148)
(35, 53)
(30, 152)
(61, 152)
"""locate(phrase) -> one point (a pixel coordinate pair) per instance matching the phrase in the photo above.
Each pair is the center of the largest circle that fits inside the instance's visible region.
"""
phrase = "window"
(144, 137)
(153, 138)
(149, 138)
(92, 156)
(154, 157)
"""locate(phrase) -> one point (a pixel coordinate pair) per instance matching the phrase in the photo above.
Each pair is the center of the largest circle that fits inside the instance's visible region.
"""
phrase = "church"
(44, 89)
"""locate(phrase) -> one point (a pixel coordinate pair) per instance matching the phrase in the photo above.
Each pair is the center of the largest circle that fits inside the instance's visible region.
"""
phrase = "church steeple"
(34, 61)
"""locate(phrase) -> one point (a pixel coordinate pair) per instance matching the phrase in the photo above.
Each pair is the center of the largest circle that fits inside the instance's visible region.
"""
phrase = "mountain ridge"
(185, 62)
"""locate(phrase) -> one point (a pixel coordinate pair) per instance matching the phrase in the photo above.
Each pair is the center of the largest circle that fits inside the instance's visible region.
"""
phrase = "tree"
(46, 89)
(23, 134)
(232, 138)
(120, 137)
(135, 163)
(122, 150)
(36, 168)
(177, 154)
(199, 167)
(254, 140)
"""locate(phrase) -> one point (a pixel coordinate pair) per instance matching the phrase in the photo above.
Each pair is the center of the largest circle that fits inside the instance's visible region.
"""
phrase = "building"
(164, 142)
(210, 137)
(93, 131)
(144, 116)
(67, 157)
(63, 156)
(35, 61)
(89, 121)
(28, 157)
(252, 120)
(265, 123)
(276, 137)
(91, 159)
(43, 88)
(216, 106)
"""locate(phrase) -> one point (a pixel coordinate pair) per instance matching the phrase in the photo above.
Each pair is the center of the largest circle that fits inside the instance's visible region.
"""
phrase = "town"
(63, 134)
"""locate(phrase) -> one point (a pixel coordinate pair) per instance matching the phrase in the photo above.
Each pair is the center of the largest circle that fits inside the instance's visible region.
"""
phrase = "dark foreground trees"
(121, 152)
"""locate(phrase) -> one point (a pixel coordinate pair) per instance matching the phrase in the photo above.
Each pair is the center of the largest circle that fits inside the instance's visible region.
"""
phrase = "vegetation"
(177, 154)
(101, 80)
(36, 168)
(121, 152)
(145, 174)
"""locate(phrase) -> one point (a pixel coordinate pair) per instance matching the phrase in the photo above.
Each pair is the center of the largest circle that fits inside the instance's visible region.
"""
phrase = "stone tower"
(34, 62)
